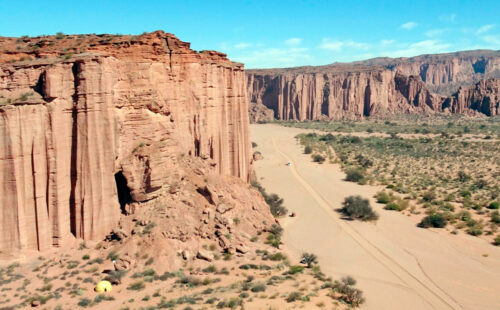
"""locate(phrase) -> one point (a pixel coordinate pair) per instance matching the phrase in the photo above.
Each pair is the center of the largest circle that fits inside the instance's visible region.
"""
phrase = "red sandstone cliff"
(76, 110)
(346, 95)
(483, 97)
(370, 88)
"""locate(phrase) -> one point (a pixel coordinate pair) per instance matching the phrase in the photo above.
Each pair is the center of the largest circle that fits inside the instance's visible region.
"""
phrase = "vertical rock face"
(70, 122)
(444, 73)
(350, 95)
(371, 88)
(483, 97)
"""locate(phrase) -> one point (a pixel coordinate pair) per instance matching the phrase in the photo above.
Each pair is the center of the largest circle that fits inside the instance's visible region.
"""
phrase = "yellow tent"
(103, 286)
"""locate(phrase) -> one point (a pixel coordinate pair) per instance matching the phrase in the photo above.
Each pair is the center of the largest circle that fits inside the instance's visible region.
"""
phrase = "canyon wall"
(375, 87)
(75, 113)
(483, 97)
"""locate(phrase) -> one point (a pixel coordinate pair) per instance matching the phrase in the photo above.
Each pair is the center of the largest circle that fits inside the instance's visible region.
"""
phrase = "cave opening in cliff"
(124, 195)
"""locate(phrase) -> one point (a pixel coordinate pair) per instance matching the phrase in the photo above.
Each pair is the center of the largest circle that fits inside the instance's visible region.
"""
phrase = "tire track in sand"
(435, 297)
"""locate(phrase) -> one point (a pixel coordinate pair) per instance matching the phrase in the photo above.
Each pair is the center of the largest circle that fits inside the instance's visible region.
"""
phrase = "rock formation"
(483, 97)
(371, 88)
(260, 113)
(91, 123)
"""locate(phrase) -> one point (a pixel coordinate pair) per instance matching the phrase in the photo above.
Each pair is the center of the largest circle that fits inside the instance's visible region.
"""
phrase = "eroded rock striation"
(483, 97)
(376, 87)
(90, 123)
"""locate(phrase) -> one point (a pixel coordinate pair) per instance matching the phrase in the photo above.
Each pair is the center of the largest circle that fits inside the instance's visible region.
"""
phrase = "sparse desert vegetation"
(264, 278)
(445, 170)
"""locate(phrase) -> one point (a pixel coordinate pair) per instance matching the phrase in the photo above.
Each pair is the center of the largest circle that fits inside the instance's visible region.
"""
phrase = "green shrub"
(136, 286)
(258, 288)
(294, 296)
(354, 175)
(318, 158)
(274, 202)
(295, 269)
(383, 197)
(429, 196)
(497, 240)
(309, 259)
(358, 208)
(495, 217)
(494, 205)
(434, 220)
(308, 149)
(392, 206)
(84, 302)
(475, 230)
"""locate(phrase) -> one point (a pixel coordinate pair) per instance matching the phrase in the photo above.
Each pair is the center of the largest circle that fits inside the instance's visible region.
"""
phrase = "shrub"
(254, 144)
(318, 159)
(392, 206)
(295, 269)
(59, 35)
(383, 197)
(354, 175)
(276, 205)
(497, 240)
(294, 296)
(274, 202)
(276, 230)
(84, 302)
(494, 205)
(495, 217)
(112, 256)
(136, 286)
(309, 259)
(349, 280)
(434, 220)
(358, 208)
(273, 240)
(258, 288)
(308, 149)
(475, 230)
(429, 196)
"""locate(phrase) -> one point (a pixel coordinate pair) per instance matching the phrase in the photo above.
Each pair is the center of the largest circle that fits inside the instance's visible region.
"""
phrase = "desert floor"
(397, 264)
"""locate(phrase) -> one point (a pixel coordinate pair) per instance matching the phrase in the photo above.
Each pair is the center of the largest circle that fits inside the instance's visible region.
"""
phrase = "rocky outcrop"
(91, 123)
(259, 113)
(484, 97)
(375, 87)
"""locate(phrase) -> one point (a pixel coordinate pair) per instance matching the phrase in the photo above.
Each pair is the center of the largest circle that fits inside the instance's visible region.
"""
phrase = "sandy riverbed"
(397, 265)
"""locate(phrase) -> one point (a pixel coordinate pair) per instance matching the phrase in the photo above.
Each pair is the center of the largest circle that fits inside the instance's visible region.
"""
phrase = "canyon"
(93, 127)
(456, 83)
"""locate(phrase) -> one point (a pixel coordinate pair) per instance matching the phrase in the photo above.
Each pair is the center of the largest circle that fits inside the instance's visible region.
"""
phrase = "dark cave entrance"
(124, 195)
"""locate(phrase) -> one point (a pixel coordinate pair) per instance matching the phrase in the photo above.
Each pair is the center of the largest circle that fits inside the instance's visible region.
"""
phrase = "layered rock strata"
(374, 87)
(76, 113)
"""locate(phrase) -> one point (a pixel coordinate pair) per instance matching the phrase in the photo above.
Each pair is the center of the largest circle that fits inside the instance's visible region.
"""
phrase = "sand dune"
(397, 265)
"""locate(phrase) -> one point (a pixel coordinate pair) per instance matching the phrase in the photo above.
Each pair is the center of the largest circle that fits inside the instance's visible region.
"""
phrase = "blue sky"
(277, 33)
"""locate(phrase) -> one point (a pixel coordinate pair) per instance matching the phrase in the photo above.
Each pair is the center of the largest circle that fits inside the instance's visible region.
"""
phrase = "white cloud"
(448, 17)
(242, 45)
(409, 25)
(419, 48)
(331, 45)
(293, 41)
(435, 33)
(485, 28)
(493, 40)
(275, 57)
(387, 42)
(336, 45)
